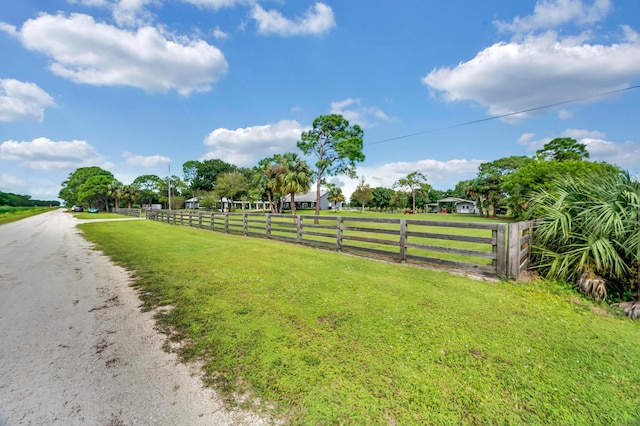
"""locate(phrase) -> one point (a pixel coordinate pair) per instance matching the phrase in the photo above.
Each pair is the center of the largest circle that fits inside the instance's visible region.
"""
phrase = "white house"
(461, 205)
(192, 203)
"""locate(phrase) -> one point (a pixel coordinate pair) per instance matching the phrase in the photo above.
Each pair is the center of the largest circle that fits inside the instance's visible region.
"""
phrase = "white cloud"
(10, 183)
(89, 52)
(219, 34)
(90, 3)
(44, 154)
(623, 154)
(356, 113)
(540, 70)
(216, 4)
(245, 146)
(132, 12)
(553, 13)
(21, 100)
(317, 20)
(147, 162)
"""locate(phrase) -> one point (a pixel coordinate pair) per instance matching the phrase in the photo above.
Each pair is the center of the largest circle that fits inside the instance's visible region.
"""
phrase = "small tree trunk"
(293, 203)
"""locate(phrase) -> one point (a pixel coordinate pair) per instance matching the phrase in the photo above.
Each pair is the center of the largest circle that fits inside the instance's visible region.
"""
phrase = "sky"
(140, 86)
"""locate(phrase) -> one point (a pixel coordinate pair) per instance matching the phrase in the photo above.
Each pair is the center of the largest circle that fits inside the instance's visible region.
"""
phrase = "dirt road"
(74, 345)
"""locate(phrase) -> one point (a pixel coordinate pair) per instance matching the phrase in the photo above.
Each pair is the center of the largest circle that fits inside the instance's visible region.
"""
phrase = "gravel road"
(75, 347)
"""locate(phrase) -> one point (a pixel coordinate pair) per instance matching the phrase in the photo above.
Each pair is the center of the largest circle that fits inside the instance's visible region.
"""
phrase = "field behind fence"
(487, 248)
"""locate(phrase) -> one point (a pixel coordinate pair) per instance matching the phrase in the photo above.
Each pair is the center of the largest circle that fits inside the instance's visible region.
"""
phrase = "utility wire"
(495, 117)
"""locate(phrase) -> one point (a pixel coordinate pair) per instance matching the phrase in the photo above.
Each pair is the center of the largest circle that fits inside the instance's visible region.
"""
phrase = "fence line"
(129, 212)
(480, 247)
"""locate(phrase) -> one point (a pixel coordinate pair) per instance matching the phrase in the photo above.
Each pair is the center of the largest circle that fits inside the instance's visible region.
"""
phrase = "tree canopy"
(70, 191)
(563, 149)
(336, 145)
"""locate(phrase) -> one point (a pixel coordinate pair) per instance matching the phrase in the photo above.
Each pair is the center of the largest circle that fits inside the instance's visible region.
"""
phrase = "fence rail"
(494, 249)
(129, 212)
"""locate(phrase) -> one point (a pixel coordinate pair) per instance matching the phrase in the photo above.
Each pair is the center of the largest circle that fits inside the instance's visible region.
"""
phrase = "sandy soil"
(75, 347)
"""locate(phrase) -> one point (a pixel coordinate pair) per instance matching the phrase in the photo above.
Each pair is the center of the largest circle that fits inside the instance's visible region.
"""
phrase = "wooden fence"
(486, 248)
(129, 212)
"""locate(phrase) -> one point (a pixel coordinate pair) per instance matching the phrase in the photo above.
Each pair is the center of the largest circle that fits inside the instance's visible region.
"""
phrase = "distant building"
(460, 205)
(308, 201)
(192, 204)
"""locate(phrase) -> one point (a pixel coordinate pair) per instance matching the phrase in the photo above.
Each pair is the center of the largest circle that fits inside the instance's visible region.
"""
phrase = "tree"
(336, 145)
(129, 193)
(399, 200)
(538, 175)
(202, 175)
(588, 232)
(149, 188)
(381, 198)
(492, 174)
(230, 185)
(114, 190)
(362, 194)
(414, 181)
(95, 191)
(71, 186)
(563, 149)
(336, 196)
(294, 176)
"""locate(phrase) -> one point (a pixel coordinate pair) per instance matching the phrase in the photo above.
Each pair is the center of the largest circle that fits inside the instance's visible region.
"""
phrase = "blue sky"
(134, 86)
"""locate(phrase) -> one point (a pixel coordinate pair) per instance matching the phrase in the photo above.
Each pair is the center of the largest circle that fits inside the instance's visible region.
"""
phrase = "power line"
(495, 117)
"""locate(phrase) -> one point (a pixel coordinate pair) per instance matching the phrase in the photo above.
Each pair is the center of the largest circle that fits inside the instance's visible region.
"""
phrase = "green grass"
(325, 338)
(101, 215)
(11, 214)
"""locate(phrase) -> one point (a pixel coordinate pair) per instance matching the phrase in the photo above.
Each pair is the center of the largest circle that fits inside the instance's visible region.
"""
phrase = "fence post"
(298, 220)
(200, 220)
(514, 251)
(268, 225)
(226, 223)
(245, 225)
(499, 248)
(190, 218)
(403, 240)
(212, 218)
(339, 232)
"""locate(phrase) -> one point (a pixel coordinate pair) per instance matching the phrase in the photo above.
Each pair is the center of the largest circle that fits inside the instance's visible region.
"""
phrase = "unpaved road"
(75, 347)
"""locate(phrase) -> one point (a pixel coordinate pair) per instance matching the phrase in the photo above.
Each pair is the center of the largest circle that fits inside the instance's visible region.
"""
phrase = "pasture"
(319, 337)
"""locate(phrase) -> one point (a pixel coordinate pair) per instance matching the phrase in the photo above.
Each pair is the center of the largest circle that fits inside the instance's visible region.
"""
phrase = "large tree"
(415, 182)
(563, 149)
(492, 174)
(148, 187)
(71, 186)
(202, 175)
(96, 191)
(362, 194)
(336, 145)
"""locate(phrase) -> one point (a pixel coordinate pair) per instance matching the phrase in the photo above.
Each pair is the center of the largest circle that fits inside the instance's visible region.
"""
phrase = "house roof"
(307, 197)
(455, 200)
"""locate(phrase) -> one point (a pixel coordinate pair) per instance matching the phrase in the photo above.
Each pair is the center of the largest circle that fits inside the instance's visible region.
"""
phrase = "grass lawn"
(11, 214)
(326, 338)
(101, 215)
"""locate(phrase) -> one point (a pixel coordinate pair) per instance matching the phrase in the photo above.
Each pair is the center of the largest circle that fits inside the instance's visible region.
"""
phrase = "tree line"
(17, 200)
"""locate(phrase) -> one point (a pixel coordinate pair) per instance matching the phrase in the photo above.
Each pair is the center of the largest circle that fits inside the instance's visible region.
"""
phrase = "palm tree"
(588, 232)
(335, 195)
(129, 193)
(115, 190)
(295, 177)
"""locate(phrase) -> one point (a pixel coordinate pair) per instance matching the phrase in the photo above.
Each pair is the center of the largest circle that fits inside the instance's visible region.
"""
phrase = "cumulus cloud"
(318, 20)
(623, 154)
(22, 100)
(89, 52)
(147, 162)
(553, 13)
(245, 146)
(219, 34)
(45, 154)
(356, 113)
(540, 70)
(9, 183)
(132, 12)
